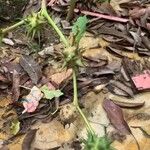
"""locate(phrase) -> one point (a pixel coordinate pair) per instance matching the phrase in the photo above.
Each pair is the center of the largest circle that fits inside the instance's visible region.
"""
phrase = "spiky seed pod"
(33, 23)
(93, 142)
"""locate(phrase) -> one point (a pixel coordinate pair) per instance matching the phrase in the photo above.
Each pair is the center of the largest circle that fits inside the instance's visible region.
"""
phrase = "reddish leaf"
(115, 115)
(32, 100)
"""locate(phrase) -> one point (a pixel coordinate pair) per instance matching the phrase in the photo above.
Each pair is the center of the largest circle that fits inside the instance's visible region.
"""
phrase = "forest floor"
(113, 86)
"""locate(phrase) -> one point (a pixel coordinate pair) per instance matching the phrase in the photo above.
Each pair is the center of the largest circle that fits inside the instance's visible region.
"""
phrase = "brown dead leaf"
(26, 145)
(128, 104)
(15, 87)
(129, 143)
(31, 67)
(121, 53)
(137, 12)
(115, 115)
(17, 143)
(106, 8)
(87, 42)
(60, 77)
(4, 102)
(3, 78)
(51, 135)
(116, 5)
(122, 87)
(117, 91)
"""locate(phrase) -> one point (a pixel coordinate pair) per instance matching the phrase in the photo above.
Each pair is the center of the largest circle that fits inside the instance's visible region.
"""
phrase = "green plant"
(50, 94)
(73, 59)
(93, 142)
(15, 127)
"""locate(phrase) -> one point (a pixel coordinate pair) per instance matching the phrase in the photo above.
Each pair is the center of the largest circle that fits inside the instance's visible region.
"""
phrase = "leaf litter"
(116, 59)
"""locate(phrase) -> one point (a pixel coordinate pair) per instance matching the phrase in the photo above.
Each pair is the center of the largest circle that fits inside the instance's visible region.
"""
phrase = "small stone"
(8, 41)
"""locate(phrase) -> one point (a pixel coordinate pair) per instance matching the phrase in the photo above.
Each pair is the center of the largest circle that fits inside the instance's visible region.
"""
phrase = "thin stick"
(71, 10)
(98, 15)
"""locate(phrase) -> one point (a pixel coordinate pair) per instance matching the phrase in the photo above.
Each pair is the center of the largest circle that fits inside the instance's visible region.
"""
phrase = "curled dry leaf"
(128, 103)
(117, 91)
(115, 115)
(31, 67)
(123, 87)
(104, 71)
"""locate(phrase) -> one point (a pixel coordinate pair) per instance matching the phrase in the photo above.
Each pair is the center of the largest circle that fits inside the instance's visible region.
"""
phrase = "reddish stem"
(108, 17)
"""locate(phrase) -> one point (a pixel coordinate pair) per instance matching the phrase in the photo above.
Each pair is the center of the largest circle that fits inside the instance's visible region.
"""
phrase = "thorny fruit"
(33, 23)
(72, 57)
(93, 142)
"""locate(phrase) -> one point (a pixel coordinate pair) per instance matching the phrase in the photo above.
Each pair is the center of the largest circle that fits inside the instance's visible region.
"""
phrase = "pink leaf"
(32, 100)
(30, 106)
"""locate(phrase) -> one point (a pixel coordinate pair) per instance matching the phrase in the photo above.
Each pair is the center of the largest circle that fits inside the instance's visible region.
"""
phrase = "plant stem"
(71, 10)
(43, 4)
(52, 23)
(75, 91)
(13, 27)
(75, 102)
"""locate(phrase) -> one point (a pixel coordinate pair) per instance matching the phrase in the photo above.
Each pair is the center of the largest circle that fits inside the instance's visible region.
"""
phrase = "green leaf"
(79, 28)
(80, 63)
(50, 94)
(93, 142)
(15, 127)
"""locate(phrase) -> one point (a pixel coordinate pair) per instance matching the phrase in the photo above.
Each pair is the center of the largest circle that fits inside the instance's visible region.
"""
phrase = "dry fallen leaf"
(15, 87)
(26, 145)
(31, 67)
(116, 4)
(62, 76)
(128, 103)
(51, 135)
(116, 117)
